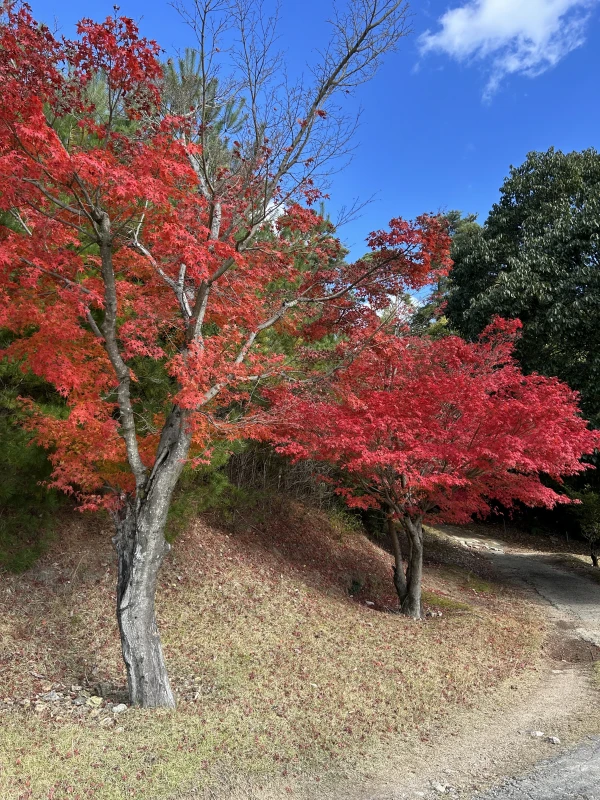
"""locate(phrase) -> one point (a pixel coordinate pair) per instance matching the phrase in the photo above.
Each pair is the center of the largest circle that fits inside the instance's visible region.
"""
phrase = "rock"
(440, 788)
(76, 688)
(95, 713)
(119, 709)
(51, 697)
(94, 701)
(80, 701)
(107, 722)
(369, 603)
(119, 730)
(536, 734)
(553, 739)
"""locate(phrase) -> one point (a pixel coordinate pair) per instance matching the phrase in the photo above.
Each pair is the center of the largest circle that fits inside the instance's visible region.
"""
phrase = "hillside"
(283, 653)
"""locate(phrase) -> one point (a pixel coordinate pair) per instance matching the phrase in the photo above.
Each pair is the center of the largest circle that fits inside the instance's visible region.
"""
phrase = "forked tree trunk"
(141, 547)
(408, 582)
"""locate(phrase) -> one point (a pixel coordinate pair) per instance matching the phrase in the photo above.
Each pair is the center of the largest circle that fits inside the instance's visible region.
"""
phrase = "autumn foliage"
(59, 187)
(439, 430)
(153, 292)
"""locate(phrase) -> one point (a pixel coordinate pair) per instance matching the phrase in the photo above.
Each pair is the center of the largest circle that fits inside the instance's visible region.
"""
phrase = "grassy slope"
(278, 669)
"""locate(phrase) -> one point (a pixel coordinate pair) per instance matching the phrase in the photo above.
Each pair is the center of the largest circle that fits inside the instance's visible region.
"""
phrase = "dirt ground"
(504, 750)
(534, 738)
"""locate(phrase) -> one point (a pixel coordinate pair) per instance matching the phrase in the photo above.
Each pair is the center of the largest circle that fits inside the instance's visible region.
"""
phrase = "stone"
(107, 722)
(553, 739)
(440, 788)
(536, 734)
(119, 730)
(94, 701)
(50, 697)
(119, 709)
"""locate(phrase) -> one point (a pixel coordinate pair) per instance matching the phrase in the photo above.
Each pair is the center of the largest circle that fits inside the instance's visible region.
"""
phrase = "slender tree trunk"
(399, 576)
(411, 604)
(594, 552)
(408, 583)
(141, 547)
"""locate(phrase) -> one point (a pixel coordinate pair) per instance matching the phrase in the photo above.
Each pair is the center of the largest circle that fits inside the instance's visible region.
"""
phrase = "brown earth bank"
(291, 670)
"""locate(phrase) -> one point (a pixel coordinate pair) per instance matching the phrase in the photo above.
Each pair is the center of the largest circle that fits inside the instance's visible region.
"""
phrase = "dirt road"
(573, 601)
(506, 751)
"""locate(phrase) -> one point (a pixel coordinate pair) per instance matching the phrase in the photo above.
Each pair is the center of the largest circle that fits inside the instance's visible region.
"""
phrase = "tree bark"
(594, 552)
(141, 547)
(399, 576)
(411, 603)
(408, 582)
(140, 553)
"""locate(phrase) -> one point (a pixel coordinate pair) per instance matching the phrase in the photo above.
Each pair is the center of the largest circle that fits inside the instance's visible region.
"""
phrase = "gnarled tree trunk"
(141, 547)
(408, 583)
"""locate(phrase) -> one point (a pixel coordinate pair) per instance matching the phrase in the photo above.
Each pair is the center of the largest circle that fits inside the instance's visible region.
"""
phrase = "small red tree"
(437, 431)
(140, 270)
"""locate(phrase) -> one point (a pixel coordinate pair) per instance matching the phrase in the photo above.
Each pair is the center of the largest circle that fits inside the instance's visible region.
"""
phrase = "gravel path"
(573, 776)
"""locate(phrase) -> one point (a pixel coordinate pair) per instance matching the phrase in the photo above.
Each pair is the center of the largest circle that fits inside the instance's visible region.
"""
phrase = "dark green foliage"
(430, 319)
(587, 511)
(205, 488)
(537, 257)
(27, 508)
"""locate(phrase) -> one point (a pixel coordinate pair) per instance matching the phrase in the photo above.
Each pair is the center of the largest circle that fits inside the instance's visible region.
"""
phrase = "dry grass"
(280, 673)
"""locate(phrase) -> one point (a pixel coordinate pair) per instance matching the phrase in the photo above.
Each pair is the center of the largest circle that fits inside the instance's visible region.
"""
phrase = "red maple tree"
(140, 280)
(438, 430)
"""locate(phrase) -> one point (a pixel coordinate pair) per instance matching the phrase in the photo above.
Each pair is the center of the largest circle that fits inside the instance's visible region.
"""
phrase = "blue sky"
(477, 85)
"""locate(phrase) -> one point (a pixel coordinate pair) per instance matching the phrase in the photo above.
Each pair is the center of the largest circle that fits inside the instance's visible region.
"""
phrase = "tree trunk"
(594, 552)
(411, 604)
(408, 583)
(141, 550)
(399, 576)
(141, 547)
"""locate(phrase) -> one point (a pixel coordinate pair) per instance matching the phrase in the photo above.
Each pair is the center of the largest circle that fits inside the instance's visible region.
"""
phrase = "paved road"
(575, 598)
(572, 776)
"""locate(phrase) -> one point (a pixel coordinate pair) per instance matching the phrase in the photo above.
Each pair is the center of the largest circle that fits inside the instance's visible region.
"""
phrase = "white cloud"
(513, 36)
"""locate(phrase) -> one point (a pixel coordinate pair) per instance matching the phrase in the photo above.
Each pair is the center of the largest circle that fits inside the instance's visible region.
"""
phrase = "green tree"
(430, 318)
(587, 512)
(537, 257)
